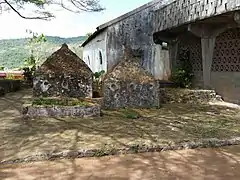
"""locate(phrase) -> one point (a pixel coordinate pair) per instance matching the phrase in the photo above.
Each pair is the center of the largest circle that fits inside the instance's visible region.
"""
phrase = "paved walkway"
(204, 164)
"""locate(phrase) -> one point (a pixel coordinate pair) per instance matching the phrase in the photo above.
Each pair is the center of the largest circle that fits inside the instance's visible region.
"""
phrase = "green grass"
(59, 102)
(172, 124)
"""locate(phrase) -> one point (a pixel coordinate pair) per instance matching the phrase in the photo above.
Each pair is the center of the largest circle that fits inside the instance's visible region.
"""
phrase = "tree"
(41, 7)
(34, 58)
(35, 44)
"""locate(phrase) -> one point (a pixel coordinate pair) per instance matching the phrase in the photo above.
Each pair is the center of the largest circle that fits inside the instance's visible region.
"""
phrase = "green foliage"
(182, 77)
(13, 52)
(30, 62)
(1, 68)
(37, 38)
(9, 76)
(41, 7)
(60, 102)
(183, 74)
(35, 44)
(130, 114)
(98, 75)
(98, 83)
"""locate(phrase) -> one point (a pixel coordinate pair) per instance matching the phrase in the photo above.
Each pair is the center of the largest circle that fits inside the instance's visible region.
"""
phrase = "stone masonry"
(174, 13)
(63, 74)
(129, 85)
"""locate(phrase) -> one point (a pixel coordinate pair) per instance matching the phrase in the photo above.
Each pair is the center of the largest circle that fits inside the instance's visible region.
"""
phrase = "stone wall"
(54, 85)
(227, 84)
(129, 85)
(178, 95)
(174, 13)
(7, 86)
(225, 71)
(61, 111)
(134, 31)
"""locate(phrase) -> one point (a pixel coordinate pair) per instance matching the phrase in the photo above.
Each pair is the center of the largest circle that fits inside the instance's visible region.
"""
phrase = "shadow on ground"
(171, 124)
(201, 164)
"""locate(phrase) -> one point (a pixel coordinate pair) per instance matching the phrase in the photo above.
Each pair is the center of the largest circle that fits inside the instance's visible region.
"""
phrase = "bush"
(98, 83)
(182, 77)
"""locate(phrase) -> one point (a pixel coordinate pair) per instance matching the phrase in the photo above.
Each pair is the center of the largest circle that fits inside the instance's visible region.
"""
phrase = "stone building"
(129, 85)
(102, 50)
(207, 29)
(63, 74)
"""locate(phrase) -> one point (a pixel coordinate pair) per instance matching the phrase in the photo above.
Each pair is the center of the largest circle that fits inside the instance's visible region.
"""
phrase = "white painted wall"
(162, 69)
(91, 53)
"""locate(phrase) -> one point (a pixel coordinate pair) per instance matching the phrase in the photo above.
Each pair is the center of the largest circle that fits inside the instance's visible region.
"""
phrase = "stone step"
(192, 96)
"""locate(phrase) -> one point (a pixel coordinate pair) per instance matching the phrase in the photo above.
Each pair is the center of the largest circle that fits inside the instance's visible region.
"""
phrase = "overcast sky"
(66, 24)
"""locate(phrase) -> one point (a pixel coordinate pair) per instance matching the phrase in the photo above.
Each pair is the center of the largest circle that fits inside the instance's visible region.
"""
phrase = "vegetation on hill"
(13, 52)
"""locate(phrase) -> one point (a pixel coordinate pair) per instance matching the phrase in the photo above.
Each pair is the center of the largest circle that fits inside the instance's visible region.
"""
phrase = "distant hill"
(14, 51)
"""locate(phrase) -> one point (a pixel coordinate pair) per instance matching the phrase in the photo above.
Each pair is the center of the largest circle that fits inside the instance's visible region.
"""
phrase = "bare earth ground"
(199, 164)
(21, 138)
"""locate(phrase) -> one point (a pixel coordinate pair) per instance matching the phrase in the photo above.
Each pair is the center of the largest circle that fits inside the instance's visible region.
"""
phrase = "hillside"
(14, 51)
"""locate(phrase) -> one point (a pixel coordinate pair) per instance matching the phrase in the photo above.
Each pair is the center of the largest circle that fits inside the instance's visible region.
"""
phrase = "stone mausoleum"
(63, 74)
(129, 85)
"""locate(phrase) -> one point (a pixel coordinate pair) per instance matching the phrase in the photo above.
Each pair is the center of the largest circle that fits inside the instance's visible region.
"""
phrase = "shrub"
(98, 83)
(10, 76)
(183, 74)
(182, 77)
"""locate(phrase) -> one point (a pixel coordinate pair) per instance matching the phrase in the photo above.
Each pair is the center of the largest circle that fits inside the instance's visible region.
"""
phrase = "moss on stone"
(60, 102)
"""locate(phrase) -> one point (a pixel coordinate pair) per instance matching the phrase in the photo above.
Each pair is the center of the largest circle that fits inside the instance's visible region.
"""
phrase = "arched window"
(100, 58)
(89, 60)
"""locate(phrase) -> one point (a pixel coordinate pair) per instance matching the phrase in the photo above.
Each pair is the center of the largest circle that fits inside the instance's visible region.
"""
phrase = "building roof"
(102, 27)
(64, 61)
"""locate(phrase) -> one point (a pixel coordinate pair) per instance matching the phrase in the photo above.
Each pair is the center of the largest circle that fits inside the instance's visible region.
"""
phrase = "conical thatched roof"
(66, 62)
(129, 69)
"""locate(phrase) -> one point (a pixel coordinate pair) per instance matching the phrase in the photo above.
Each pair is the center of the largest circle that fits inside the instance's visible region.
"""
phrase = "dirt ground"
(200, 164)
(171, 124)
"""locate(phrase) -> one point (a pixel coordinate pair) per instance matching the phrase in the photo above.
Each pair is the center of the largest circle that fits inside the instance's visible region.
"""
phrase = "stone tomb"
(62, 86)
(129, 85)
(63, 74)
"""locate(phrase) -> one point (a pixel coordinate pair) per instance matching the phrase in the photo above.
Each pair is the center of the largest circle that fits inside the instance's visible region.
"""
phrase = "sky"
(66, 24)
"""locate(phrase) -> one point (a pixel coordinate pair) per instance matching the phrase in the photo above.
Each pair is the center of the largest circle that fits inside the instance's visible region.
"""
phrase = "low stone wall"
(7, 86)
(30, 110)
(178, 95)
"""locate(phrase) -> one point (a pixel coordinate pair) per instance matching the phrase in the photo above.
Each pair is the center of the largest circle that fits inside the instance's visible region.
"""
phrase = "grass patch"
(60, 102)
(168, 126)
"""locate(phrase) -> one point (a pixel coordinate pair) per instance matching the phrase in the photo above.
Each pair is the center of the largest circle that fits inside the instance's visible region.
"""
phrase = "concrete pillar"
(161, 63)
(208, 45)
(157, 61)
(173, 53)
